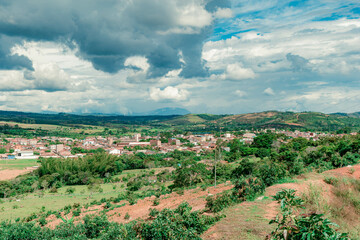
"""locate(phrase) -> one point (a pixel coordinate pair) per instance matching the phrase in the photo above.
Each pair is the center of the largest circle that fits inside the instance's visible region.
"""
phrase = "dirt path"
(11, 174)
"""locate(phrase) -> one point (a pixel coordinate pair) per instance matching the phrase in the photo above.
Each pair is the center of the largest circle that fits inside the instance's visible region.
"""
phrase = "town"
(63, 147)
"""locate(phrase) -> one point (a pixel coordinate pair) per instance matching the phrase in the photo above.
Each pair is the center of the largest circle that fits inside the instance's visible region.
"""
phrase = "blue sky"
(208, 56)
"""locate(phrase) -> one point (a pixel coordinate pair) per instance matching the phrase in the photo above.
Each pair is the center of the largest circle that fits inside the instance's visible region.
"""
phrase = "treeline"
(96, 168)
(270, 159)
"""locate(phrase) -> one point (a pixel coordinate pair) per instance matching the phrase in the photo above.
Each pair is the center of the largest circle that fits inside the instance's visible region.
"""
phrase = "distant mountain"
(355, 114)
(269, 119)
(164, 112)
(175, 118)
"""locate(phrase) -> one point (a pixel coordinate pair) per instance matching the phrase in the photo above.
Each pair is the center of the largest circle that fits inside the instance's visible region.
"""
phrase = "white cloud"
(50, 77)
(169, 93)
(223, 13)
(269, 92)
(194, 15)
(138, 61)
(13, 81)
(3, 98)
(237, 72)
(240, 93)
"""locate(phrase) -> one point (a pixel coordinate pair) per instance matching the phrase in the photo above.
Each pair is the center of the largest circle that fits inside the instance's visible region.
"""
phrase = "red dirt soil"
(11, 174)
(195, 197)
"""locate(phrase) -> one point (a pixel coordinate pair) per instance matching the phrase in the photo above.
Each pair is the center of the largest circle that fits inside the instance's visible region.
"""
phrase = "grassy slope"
(33, 202)
(306, 120)
(250, 220)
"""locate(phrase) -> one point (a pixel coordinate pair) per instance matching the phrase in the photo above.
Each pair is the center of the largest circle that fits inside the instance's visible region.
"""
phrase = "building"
(156, 143)
(115, 151)
(25, 155)
(174, 141)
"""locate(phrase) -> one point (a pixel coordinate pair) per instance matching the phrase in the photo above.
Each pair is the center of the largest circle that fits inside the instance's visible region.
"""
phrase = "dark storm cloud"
(9, 61)
(108, 32)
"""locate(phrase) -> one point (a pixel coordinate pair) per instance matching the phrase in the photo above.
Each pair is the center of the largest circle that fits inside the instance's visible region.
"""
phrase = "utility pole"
(219, 154)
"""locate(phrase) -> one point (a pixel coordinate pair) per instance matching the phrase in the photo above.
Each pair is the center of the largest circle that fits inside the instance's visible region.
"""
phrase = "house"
(25, 155)
(115, 151)
(174, 141)
(156, 143)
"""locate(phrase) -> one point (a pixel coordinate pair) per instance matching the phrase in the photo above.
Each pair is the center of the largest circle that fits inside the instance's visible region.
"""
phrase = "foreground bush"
(180, 223)
(293, 225)
(244, 189)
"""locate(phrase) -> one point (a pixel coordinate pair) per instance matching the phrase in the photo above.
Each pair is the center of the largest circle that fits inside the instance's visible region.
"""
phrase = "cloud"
(237, 72)
(50, 77)
(9, 61)
(223, 13)
(240, 93)
(298, 63)
(269, 92)
(168, 93)
(106, 34)
(138, 62)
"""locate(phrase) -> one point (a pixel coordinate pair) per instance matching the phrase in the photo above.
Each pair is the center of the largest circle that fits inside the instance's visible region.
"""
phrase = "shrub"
(70, 190)
(42, 221)
(127, 216)
(180, 223)
(331, 180)
(156, 202)
(219, 202)
(292, 225)
(153, 212)
(53, 189)
(76, 212)
(248, 188)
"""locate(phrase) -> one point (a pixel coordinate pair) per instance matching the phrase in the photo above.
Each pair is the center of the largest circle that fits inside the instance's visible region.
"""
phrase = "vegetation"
(339, 123)
(293, 225)
(181, 223)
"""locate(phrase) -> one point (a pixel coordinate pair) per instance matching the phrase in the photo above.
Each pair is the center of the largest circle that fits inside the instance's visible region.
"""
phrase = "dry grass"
(243, 221)
(341, 204)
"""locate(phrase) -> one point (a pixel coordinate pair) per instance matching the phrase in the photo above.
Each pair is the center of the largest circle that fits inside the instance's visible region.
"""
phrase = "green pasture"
(27, 204)
(18, 163)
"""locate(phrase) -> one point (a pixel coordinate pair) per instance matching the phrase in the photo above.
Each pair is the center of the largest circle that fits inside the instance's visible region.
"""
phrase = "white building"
(115, 151)
(26, 155)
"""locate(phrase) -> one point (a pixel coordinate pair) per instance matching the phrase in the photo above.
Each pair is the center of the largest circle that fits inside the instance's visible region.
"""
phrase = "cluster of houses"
(57, 147)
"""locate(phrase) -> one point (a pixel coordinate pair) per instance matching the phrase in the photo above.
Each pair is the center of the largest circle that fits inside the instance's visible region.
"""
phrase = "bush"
(156, 202)
(248, 188)
(219, 202)
(180, 223)
(331, 180)
(53, 189)
(42, 221)
(292, 225)
(70, 190)
(270, 172)
(76, 212)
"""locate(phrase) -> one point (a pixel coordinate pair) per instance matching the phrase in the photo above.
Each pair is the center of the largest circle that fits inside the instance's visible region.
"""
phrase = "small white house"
(25, 155)
(115, 151)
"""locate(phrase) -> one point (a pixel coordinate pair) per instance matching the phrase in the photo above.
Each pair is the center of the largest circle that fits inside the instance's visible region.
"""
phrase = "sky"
(207, 56)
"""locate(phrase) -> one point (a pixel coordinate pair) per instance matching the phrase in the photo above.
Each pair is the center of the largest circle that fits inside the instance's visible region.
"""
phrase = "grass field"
(82, 128)
(18, 163)
(25, 205)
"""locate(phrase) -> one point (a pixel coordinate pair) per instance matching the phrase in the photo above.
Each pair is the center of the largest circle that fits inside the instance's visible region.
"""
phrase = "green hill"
(269, 119)
(201, 122)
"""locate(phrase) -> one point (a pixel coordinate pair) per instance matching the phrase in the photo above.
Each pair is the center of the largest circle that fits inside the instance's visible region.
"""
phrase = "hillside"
(200, 122)
(270, 119)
